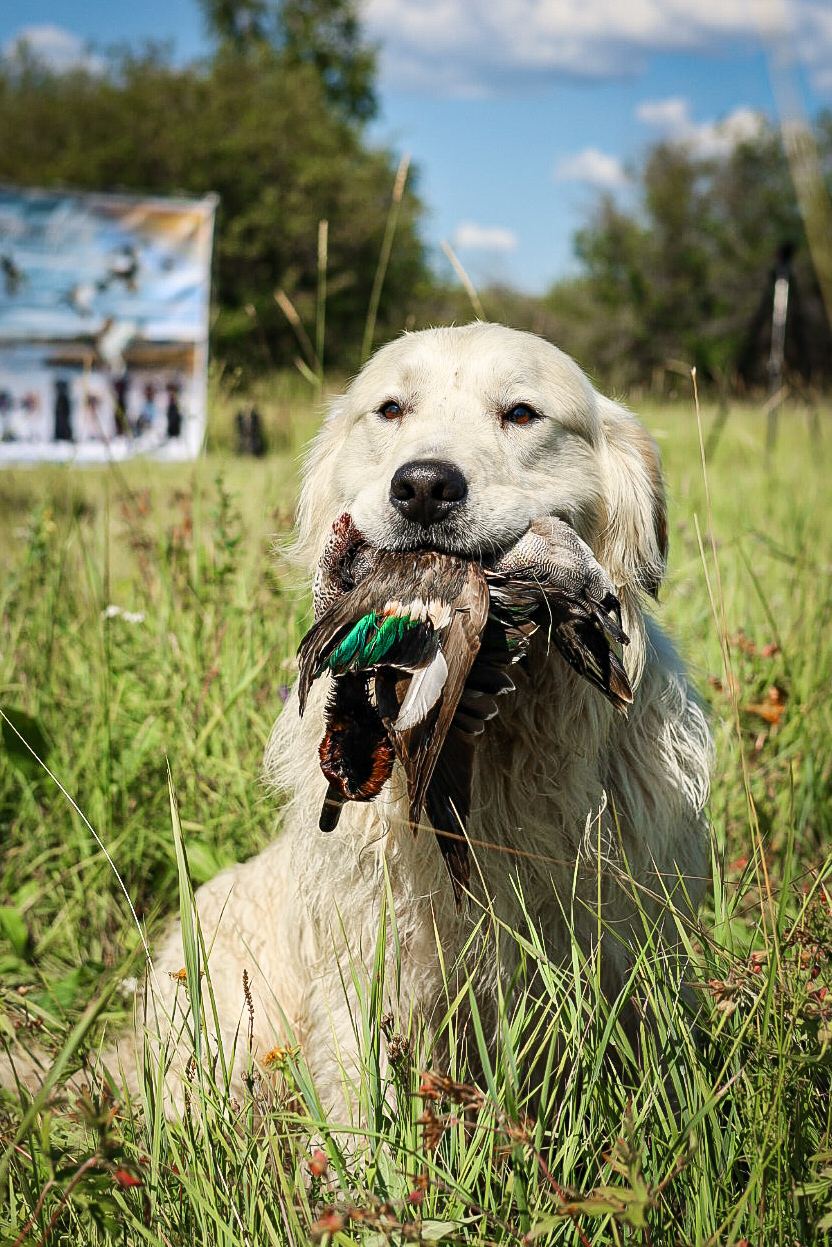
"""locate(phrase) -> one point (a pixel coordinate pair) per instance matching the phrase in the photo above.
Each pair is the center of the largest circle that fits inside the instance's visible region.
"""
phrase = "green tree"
(238, 23)
(325, 34)
(686, 274)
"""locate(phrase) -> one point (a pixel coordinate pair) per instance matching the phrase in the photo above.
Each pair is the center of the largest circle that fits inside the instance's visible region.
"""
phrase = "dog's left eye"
(521, 413)
(390, 410)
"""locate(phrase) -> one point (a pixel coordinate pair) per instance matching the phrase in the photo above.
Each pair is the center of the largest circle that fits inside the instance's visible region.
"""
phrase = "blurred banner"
(103, 326)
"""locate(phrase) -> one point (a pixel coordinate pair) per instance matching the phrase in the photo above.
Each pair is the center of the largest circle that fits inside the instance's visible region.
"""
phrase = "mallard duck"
(399, 632)
(420, 646)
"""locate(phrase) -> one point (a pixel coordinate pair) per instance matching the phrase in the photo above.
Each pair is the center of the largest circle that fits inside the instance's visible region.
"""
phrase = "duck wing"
(418, 747)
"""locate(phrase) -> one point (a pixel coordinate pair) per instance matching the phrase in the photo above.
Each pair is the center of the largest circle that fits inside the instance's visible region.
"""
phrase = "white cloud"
(465, 47)
(52, 46)
(593, 167)
(708, 139)
(719, 138)
(672, 114)
(469, 236)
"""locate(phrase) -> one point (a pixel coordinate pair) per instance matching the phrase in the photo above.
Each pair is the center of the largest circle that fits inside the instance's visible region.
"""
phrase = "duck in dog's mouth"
(419, 644)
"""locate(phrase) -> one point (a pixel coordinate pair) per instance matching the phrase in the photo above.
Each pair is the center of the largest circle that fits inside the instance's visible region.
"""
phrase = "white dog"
(457, 439)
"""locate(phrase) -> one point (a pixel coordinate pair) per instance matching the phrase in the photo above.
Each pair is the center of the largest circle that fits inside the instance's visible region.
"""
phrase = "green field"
(727, 1138)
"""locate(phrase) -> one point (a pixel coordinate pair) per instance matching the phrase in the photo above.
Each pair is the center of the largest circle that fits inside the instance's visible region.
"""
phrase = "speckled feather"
(550, 579)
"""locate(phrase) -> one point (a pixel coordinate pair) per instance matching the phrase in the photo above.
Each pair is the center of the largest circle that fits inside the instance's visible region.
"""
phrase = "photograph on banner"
(104, 304)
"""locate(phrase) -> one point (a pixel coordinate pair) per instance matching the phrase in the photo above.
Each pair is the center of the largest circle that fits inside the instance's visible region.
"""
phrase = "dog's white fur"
(571, 803)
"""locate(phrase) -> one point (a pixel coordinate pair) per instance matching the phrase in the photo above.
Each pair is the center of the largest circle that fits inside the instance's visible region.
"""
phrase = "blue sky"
(517, 112)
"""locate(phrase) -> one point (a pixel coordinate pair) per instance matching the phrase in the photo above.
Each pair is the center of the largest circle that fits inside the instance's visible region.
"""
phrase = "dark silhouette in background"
(63, 412)
(174, 414)
(248, 433)
(120, 387)
(777, 341)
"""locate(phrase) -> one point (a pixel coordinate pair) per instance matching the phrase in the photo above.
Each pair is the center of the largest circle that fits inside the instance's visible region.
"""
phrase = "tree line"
(687, 274)
(274, 122)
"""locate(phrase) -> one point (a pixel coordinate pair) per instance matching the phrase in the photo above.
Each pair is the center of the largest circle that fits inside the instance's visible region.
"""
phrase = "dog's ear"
(633, 545)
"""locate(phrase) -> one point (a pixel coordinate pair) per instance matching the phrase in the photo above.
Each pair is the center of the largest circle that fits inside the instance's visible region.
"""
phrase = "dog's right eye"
(390, 410)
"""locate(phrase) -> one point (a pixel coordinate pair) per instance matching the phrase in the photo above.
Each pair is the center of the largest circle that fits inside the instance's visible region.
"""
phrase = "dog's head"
(457, 439)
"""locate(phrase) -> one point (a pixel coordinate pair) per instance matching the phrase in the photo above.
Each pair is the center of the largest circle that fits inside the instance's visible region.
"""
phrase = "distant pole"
(779, 314)
(320, 310)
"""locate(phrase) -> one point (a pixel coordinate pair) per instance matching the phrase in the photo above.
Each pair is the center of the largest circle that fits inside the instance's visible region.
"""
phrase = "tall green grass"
(712, 1133)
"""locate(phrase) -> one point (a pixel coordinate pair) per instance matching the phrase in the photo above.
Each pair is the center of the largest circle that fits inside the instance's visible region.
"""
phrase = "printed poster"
(104, 303)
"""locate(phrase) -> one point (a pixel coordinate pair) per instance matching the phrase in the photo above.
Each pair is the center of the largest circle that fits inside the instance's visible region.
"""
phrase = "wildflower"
(117, 612)
(318, 1163)
(330, 1223)
(125, 1179)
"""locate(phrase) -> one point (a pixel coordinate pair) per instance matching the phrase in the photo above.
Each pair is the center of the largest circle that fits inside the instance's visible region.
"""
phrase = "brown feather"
(418, 749)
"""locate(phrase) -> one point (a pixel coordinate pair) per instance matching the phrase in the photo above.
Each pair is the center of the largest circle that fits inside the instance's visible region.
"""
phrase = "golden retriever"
(457, 439)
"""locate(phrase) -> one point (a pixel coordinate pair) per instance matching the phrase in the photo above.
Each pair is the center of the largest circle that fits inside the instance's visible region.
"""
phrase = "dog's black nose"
(427, 490)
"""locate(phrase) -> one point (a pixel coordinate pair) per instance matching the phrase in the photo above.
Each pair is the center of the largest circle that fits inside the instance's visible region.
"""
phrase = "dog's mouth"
(441, 540)
(462, 541)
